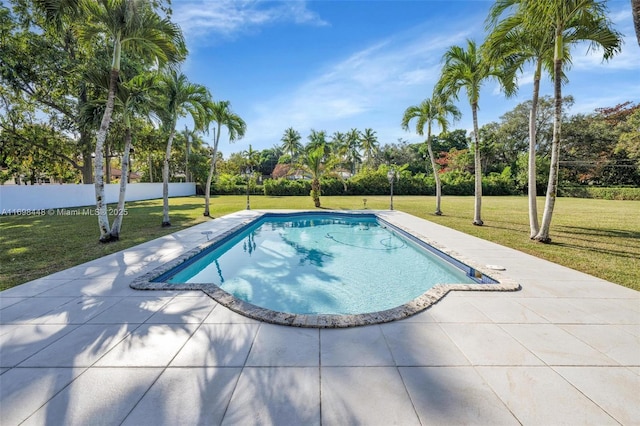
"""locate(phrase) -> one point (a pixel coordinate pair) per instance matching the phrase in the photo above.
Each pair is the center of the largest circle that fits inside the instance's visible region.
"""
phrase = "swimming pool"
(319, 269)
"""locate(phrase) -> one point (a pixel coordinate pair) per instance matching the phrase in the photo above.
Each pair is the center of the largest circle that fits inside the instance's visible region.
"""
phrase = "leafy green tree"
(445, 141)
(126, 24)
(629, 139)
(268, 160)
(291, 143)
(469, 69)
(41, 69)
(435, 109)
(590, 155)
(222, 115)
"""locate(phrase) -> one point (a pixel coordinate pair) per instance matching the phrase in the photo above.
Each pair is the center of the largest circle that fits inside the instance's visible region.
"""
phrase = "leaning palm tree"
(222, 115)
(179, 97)
(435, 109)
(571, 21)
(291, 143)
(127, 24)
(369, 144)
(469, 69)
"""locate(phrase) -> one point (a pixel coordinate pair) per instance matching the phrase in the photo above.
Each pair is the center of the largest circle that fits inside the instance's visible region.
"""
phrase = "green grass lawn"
(599, 237)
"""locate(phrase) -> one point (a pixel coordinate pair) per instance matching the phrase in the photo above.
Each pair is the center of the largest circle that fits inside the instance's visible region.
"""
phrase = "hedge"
(370, 182)
(618, 193)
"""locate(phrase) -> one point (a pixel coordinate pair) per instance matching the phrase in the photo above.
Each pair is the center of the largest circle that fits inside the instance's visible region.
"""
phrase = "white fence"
(25, 198)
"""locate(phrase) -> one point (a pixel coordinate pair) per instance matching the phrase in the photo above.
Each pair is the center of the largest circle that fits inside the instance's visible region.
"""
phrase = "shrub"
(457, 183)
(616, 193)
(283, 187)
(499, 183)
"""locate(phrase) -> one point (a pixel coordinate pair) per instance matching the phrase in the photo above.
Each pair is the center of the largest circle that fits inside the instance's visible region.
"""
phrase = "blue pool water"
(320, 264)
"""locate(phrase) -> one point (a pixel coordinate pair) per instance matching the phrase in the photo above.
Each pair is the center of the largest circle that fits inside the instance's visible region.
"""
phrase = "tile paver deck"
(81, 347)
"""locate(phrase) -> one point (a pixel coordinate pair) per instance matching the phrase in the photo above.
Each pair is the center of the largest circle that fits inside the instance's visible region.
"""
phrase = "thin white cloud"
(395, 73)
(201, 19)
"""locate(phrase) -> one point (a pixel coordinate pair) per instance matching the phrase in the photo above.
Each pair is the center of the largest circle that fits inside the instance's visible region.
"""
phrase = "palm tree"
(571, 21)
(339, 144)
(291, 143)
(312, 163)
(353, 149)
(133, 98)
(179, 97)
(189, 135)
(369, 144)
(435, 109)
(468, 69)
(127, 24)
(318, 139)
(223, 116)
(509, 41)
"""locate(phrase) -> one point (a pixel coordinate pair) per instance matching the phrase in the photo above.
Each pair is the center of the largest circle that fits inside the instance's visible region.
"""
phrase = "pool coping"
(419, 304)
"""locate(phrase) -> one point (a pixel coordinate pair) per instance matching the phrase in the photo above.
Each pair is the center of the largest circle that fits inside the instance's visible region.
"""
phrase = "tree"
(43, 64)
(222, 115)
(133, 98)
(291, 142)
(179, 97)
(352, 149)
(189, 135)
(469, 69)
(571, 22)
(369, 144)
(510, 40)
(127, 24)
(312, 163)
(445, 141)
(432, 109)
(629, 141)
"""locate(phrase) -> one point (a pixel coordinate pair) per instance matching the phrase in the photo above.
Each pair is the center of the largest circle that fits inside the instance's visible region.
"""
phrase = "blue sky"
(337, 64)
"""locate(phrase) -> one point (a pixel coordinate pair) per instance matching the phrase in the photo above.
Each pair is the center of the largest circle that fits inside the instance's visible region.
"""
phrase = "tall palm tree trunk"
(212, 169)
(165, 180)
(532, 184)
(101, 205)
(150, 168)
(186, 159)
(477, 220)
(315, 191)
(552, 186)
(436, 176)
(117, 221)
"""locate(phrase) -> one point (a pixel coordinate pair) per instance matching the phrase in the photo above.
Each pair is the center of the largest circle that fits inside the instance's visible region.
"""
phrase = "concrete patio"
(81, 347)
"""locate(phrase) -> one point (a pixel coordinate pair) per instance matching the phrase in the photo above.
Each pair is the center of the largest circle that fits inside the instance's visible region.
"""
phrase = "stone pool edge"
(419, 304)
